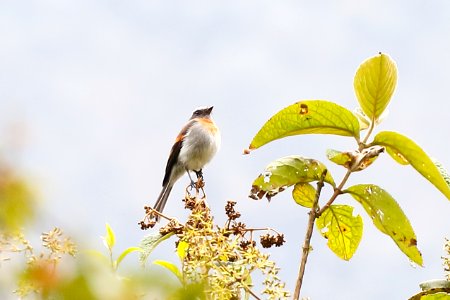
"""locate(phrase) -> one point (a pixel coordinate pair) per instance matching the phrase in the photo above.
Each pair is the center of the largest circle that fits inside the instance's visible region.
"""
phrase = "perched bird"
(194, 147)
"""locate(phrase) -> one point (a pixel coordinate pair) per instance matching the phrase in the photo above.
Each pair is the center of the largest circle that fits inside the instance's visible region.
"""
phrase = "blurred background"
(93, 93)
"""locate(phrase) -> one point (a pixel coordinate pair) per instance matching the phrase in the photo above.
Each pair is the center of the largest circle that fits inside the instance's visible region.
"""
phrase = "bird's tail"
(162, 199)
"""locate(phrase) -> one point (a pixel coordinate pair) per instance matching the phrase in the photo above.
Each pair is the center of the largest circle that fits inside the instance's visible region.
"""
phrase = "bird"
(194, 147)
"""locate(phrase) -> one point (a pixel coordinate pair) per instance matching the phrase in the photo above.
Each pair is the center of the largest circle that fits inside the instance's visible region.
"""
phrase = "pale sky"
(101, 89)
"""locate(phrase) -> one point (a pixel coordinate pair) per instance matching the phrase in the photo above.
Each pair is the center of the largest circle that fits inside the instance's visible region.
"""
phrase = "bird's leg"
(192, 181)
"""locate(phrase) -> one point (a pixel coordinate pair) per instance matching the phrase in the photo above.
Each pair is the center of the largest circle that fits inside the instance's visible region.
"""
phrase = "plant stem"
(316, 212)
(251, 292)
(337, 192)
(309, 232)
(369, 132)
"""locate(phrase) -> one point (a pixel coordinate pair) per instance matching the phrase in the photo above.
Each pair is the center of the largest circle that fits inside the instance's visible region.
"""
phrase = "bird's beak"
(210, 109)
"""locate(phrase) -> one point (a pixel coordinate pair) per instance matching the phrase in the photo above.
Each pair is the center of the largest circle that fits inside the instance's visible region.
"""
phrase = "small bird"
(194, 147)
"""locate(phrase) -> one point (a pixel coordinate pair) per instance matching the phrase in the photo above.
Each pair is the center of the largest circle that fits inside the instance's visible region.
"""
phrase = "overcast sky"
(100, 89)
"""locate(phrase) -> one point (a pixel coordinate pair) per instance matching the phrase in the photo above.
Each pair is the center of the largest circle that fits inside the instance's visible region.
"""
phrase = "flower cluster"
(221, 260)
(40, 274)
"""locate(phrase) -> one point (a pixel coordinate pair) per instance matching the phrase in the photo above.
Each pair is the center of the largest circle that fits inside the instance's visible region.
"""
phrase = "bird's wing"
(175, 151)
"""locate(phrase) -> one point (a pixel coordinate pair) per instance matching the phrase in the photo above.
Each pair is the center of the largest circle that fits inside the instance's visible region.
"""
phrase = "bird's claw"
(199, 174)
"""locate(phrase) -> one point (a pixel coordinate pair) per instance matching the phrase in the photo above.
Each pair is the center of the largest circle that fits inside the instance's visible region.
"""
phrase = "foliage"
(109, 241)
(374, 85)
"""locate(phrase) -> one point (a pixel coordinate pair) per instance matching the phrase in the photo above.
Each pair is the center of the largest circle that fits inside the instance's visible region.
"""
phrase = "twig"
(369, 132)
(153, 212)
(250, 292)
(309, 232)
(337, 192)
(259, 229)
(317, 212)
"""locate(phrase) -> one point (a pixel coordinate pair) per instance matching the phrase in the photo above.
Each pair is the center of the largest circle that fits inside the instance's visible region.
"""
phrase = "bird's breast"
(200, 145)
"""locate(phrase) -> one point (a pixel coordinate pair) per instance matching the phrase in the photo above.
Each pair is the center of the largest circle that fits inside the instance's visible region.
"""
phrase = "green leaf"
(342, 230)
(125, 253)
(285, 172)
(374, 84)
(171, 267)
(304, 194)
(110, 238)
(149, 243)
(403, 150)
(388, 217)
(307, 117)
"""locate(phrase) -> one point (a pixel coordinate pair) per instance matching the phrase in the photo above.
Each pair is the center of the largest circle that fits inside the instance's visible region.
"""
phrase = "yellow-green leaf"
(356, 160)
(17, 202)
(443, 171)
(397, 156)
(374, 84)
(340, 158)
(307, 117)
(342, 230)
(388, 217)
(109, 238)
(125, 254)
(182, 249)
(98, 256)
(364, 121)
(403, 150)
(304, 194)
(149, 243)
(435, 294)
(285, 172)
(171, 267)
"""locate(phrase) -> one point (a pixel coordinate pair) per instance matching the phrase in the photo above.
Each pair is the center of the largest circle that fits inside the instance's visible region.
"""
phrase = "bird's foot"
(199, 174)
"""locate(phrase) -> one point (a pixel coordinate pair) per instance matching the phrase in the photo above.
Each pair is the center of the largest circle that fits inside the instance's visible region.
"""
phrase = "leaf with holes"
(443, 171)
(304, 194)
(374, 84)
(388, 217)
(342, 230)
(308, 117)
(404, 150)
(287, 171)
